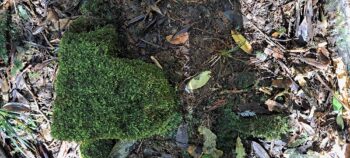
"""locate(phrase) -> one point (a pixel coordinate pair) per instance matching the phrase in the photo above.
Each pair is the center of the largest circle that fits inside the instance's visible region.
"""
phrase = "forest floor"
(291, 69)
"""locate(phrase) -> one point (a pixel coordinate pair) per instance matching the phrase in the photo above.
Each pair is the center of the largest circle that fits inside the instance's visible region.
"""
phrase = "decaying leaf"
(343, 81)
(182, 136)
(178, 39)
(122, 149)
(308, 129)
(209, 146)
(194, 151)
(259, 151)
(282, 83)
(198, 81)
(240, 151)
(274, 52)
(313, 62)
(16, 107)
(242, 42)
(4, 89)
(273, 105)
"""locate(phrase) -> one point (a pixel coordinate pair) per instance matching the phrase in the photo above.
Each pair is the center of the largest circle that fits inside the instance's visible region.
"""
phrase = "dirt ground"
(292, 72)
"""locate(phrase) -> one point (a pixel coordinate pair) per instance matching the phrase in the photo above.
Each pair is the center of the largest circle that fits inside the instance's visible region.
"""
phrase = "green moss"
(104, 9)
(96, 149)
(270, 127)
(103, 97)
(3, 29)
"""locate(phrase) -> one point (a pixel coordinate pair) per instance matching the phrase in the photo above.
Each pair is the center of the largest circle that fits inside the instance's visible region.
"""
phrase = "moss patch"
(96, 149)
(4, 28)
(103, 97)
(270, 127)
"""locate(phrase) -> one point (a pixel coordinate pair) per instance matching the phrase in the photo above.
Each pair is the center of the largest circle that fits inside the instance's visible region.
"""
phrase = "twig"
(152, 44)
(32, 94)
(268, 39)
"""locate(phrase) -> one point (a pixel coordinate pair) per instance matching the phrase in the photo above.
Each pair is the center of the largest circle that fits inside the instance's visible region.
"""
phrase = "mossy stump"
(100, 96)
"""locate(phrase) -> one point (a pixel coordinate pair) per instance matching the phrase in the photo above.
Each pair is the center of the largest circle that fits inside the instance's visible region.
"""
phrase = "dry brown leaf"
(52, 15)
(4, 89)
(313, 62)
(16, 107)
(179, 39)
(324, 55)
(277, 54)
(281, 83)
(273, 105)
(343, 81)
(193, 151)
(274, 52)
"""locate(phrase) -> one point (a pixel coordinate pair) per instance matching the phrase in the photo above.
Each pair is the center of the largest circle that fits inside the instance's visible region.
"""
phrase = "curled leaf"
(198, 81)
(242, 42)
(178, 39)
(16, 107)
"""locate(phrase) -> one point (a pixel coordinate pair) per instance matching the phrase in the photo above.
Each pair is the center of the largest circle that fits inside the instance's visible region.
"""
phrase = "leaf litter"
(288, 44)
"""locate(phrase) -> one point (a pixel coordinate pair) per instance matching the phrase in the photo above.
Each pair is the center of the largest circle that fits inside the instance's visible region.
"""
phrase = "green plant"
(10, 125)
(96, 149)
(100, 96)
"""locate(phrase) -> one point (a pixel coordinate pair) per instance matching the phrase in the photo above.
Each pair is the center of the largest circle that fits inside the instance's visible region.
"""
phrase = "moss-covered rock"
(270, 127)
(100, 96)
(96, 149)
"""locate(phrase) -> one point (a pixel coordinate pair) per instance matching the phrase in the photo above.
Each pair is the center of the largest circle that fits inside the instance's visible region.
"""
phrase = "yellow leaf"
(275, 34)
(242, 42)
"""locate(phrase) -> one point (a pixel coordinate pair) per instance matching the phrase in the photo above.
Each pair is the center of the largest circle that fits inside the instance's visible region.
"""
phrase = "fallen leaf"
(198, 81)
(346, 150)
(16, 107)
(343, 81)
(156, 9)
(4, 90)
(182, 136)
(194, 151)
(240, 151)
(308, 129)
(52, 15)
(274, 52)
(337, 105)
(313, 62)
(277, 54)
(273, 105)
(261, 56)
(340, 120)
(178, 39)
(38, 30)
(281, 83)
(136, 19)
(275, 34)
(259, 151)
(209, 145)
(242, 42)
